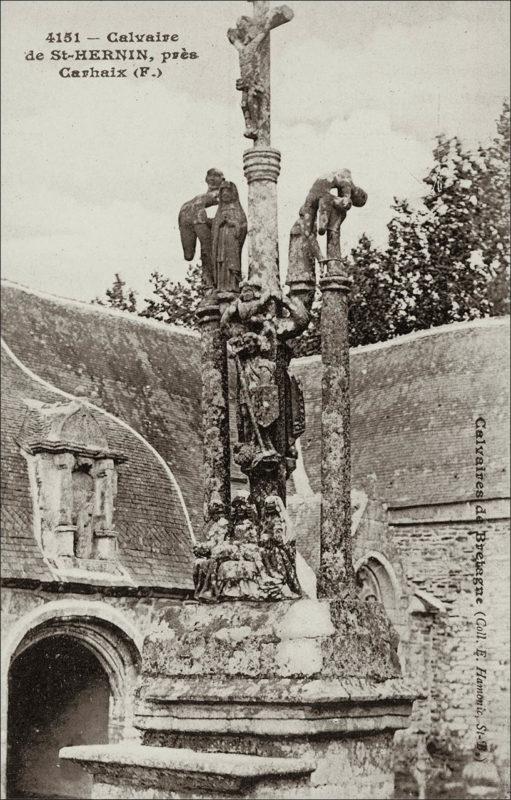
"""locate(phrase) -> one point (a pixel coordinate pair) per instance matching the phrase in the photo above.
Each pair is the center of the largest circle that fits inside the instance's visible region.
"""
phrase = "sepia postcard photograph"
(255, 400)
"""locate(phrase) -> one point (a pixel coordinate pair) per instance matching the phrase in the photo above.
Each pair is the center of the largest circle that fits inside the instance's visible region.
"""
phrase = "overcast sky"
(95, 170)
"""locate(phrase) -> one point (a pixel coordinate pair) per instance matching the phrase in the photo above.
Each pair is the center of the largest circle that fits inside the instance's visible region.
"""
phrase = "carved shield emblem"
(265, 401)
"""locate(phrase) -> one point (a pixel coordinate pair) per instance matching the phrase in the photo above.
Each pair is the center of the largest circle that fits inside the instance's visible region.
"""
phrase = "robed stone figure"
(229, 232)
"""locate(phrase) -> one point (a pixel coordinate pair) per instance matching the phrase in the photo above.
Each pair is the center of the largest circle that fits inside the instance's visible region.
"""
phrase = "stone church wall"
(447, 652)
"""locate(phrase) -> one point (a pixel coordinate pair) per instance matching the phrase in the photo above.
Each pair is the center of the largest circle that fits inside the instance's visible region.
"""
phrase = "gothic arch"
(379, 582)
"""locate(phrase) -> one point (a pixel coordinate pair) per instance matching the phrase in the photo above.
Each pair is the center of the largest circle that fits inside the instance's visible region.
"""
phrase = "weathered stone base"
(290, 638)
(306, 694)
(351, 767)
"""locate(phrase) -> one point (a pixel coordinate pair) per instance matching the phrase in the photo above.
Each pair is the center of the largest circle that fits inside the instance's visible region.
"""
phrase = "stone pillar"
(261, 166)
(336, 575)
(215, 409)
(65, 530)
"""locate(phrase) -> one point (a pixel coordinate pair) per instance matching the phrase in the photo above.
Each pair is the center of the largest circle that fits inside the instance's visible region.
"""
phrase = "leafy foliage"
(116, 297)
(175, 302)
(172, 302)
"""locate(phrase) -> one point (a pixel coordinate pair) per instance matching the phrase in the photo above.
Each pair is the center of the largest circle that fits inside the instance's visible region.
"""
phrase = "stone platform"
(314, 685)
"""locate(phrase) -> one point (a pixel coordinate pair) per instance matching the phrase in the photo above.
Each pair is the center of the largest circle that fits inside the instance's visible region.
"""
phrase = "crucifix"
(253, 325)
(251, 39)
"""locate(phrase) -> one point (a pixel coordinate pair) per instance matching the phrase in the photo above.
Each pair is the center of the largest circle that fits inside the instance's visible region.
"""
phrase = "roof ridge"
(406, 338)
(97, 308)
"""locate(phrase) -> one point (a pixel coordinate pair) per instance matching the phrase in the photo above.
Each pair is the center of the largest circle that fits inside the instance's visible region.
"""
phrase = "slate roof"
(414, 404)
(143, 376)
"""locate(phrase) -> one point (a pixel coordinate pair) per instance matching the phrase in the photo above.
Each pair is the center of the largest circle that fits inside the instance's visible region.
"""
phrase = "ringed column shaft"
(336, 575)
(215, 409)
(262, 168)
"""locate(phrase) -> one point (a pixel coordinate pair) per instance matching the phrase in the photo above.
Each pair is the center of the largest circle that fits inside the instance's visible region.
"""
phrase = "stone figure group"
(221, 238)
(246, 556)
(248, 552)
(324, 211)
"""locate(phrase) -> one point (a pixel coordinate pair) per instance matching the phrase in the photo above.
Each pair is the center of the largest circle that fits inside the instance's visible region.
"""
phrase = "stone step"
(129, 769)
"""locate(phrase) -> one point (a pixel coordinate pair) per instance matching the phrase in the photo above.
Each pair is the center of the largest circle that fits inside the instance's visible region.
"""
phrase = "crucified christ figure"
(254, 83)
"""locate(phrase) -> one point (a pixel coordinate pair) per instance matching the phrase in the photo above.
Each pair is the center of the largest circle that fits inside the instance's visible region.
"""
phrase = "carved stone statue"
(251, 344)
(246, 557)
(83, 510)
(241, 571)
(229, 232)
(247, 38)
(194, 224)
(206, 562)
(230, 565)
(322, 205)
(279, 547)
(269, 402)
(301, 266)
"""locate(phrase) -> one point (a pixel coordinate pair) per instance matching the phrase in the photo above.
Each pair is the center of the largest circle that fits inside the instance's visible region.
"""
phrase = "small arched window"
(378, 583)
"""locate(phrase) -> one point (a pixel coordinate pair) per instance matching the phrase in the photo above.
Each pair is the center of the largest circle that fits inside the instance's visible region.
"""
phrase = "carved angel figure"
(194, 224)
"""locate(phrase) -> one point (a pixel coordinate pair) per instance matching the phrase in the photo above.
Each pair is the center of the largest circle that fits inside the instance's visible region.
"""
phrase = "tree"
(116, 297)
(372, 297)
(172, 301)
(494, 228)
(175, 302)
(453, 232)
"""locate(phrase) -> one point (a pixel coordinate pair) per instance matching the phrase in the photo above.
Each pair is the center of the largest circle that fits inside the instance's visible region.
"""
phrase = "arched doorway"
(105, 632)
(59, 694)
